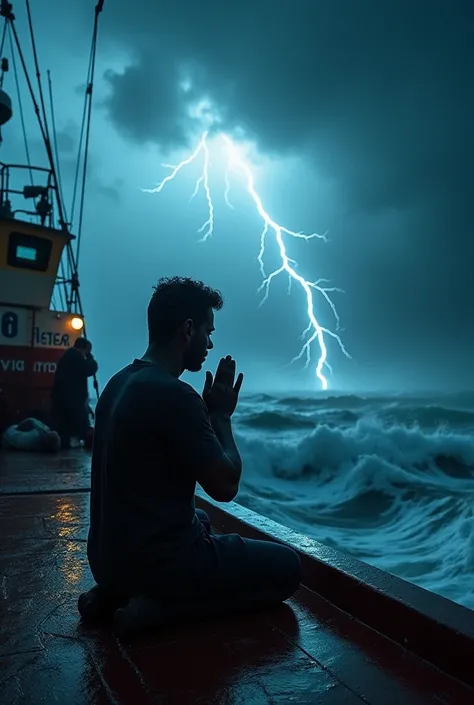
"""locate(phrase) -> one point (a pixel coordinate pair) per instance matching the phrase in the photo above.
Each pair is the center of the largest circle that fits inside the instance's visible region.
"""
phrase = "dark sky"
(359, 116)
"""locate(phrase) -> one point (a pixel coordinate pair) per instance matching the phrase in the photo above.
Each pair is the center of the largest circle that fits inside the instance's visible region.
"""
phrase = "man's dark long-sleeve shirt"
(152, 438)
(70, 381)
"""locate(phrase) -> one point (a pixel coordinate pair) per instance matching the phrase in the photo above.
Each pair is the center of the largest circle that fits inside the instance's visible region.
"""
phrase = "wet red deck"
(306, 652)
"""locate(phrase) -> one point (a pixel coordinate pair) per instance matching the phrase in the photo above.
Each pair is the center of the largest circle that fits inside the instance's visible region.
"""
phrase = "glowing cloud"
(236, 163)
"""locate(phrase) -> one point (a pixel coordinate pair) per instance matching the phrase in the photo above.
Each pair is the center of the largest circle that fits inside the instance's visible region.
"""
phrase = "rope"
(20, 105)
(88, 110)
(78, 163)
(45, 136)
(55, 141)
(4, 36)
(43, 127)
(62, 294)
(38, 75)
(43, 130)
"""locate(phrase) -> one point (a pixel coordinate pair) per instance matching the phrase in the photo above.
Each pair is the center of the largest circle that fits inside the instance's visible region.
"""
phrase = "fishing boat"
(41, 312)
(351, 635)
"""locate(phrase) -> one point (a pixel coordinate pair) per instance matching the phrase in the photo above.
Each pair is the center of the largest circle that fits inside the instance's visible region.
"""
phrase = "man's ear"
(188, 329)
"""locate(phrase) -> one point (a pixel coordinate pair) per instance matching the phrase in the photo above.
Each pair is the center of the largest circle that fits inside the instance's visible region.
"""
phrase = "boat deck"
(308, 651)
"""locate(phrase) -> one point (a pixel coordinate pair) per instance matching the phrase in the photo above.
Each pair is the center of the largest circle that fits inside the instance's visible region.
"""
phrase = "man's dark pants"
(230, 574)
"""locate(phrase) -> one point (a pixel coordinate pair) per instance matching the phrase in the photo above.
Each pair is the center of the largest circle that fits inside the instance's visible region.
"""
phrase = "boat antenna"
(85, 127)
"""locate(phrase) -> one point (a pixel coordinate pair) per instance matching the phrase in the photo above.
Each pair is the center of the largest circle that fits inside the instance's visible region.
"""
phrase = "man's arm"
(91, 366)
(207, 450)
(77, 363)
(222, 425)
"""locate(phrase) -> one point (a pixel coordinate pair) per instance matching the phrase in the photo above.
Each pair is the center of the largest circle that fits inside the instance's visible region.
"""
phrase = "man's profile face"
(199, 344)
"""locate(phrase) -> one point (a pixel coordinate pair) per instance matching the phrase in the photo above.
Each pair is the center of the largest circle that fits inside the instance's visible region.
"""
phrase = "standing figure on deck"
(152, 554)
(70, 395)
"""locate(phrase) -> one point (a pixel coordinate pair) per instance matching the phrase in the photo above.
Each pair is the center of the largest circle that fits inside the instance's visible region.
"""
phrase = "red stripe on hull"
(26, 379)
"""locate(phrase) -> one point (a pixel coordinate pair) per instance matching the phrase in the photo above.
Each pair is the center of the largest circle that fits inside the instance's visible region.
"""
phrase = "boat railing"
(12, 187)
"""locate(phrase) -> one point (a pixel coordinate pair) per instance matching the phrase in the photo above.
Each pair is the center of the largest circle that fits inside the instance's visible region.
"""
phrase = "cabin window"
(29, 252)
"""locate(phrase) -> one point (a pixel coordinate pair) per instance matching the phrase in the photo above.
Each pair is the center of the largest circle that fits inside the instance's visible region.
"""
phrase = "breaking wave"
(389, 480)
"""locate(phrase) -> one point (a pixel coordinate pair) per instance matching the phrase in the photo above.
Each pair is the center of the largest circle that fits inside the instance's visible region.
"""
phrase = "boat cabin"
(36, 322)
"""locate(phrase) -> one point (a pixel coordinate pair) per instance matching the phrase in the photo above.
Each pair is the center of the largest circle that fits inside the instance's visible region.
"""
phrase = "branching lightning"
(236, 163)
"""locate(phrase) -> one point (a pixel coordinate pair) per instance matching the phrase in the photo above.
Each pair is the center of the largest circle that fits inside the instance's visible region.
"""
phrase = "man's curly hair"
(175, 299)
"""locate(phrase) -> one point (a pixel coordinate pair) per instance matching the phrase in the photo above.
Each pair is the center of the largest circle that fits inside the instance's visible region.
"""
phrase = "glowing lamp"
(77, 323)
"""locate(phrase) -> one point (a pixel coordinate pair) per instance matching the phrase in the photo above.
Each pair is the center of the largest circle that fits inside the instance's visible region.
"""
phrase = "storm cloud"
(365, 111)
(376, 96)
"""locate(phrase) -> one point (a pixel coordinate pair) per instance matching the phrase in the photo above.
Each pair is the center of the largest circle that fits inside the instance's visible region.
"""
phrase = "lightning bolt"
(236, 163)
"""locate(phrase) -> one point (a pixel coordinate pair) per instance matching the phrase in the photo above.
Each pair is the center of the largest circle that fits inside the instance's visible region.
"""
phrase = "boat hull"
(31, 343)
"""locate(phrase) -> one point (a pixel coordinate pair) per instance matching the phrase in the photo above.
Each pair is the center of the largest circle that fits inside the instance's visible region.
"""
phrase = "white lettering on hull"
(19, 366)
(44, 367)
(12, 365)
(57, 340)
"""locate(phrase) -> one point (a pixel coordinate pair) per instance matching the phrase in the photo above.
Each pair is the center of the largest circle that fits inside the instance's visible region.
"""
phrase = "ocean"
(387, 479)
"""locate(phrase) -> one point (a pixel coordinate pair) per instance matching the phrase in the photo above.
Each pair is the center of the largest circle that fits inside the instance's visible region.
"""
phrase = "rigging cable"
(87, 116)
(10, 18)
(56, 153)
(38, 75)
(4, 36)
(20, 105)
(59, 199)
(44, 133)
(55, 141)
(60, 186)
(88, 100)
(4, 66)
(78, 161)
(6, 11)
(9, 25)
